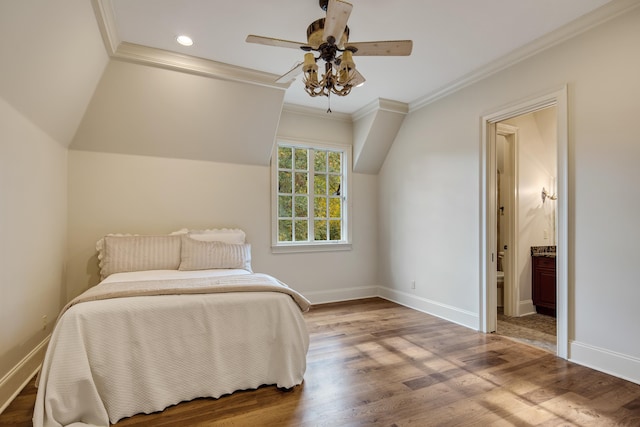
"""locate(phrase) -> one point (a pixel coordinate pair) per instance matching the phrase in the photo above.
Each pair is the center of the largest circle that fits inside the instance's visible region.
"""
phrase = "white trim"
(564, 33)
(346, 198)
(607, 361)
(106, 19)
(284, 248)
(340, 295)
(557, 97)
(316, 113)
(512, 285)
(381, 104)
(525, 308)
(17, 378)
(160, 58)
(443, 311)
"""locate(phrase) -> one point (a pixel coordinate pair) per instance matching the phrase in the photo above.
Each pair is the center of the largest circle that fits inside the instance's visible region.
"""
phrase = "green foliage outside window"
(303, 210)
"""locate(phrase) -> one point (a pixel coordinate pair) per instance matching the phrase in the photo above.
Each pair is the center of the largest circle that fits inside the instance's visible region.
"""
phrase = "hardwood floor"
(375, 363)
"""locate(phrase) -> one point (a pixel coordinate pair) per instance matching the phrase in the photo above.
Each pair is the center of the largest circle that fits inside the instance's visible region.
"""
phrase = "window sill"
(318, 247)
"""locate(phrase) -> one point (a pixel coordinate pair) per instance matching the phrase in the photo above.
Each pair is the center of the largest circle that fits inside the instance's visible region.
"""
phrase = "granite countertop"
(543, 251)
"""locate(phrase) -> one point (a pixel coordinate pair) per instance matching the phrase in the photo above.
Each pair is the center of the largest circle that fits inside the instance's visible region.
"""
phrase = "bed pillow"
(203, 255)
(124, 253)
(227, 235)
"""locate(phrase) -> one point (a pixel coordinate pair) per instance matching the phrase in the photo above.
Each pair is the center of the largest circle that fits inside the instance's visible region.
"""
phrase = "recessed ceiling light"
(184, 40)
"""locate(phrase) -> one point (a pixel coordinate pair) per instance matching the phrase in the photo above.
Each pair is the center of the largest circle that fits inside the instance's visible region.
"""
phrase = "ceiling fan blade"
(383, 48)
(274, 42)
(291, 74)
(338, 12)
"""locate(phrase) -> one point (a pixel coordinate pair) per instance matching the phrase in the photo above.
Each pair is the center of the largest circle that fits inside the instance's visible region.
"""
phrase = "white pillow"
(227, 235)
(205, 255)
(123, 253)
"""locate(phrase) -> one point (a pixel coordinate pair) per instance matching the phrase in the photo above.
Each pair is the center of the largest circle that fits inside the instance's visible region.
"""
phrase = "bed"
(146, 338)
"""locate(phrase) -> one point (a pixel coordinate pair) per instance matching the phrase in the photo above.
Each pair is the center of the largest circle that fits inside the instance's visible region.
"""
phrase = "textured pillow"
(226, 235)
(200, 255)
(120, 253)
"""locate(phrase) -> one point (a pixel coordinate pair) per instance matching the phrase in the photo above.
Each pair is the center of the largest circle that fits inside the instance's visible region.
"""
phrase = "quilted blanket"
(141, 346)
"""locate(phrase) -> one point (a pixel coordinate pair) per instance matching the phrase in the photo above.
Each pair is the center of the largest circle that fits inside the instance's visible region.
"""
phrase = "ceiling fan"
(328, 40)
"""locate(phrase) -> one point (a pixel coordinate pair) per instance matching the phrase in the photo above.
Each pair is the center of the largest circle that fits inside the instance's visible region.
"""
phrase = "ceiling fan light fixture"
(328, 41)
(347, 68)
(310, 70)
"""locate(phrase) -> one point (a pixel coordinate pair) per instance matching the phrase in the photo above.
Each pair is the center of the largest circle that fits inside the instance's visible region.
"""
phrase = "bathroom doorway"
(526, 163)
(517, 291)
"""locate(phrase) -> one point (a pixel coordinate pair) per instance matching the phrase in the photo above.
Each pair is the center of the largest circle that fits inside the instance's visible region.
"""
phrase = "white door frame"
(511, 285)
(487, 310)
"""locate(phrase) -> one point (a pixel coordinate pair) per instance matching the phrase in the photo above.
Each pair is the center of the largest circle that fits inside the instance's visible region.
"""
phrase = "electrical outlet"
(44, 322)
(413, 284)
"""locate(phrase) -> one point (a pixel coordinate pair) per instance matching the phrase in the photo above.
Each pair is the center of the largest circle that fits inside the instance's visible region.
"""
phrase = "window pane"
(335, 162)
(320, 161)
(320, 207)
(334, 230)
(284, 182)
(301, 158)
(320, 230)
(301, 182)
(284, 206)
(335, 205)
(302, 206)
(285, 230)
(334, 185)
(284, 157)
(320, 184)
(301, 230)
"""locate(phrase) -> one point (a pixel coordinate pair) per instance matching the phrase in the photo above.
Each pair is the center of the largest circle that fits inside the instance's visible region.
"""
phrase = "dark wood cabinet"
(544, 284)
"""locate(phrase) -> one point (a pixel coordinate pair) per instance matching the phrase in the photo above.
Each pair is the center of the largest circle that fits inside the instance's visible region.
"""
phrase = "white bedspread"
(113, 358)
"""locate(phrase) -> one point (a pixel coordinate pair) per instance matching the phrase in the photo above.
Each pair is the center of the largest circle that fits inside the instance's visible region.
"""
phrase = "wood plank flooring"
(374, 363)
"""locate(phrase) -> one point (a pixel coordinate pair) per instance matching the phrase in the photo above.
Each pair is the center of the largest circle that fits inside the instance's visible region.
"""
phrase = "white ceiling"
(451, 38)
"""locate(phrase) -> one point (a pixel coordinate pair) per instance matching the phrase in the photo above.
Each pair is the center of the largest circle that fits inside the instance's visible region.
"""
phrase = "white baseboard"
(526, 307)
(607, 361)
(337, 295)
(16, 379)
(446, 312)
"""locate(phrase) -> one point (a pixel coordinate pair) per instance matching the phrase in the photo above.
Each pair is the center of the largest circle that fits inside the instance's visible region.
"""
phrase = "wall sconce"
(546, 195)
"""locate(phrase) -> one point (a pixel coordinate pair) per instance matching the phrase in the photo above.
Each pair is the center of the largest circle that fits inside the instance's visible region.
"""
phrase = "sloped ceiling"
(228, 109)
(52, 59)
(143, 107)
(137, 109)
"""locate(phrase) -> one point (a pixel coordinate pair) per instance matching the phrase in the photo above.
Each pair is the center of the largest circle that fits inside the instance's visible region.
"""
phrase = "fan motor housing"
(315, 33)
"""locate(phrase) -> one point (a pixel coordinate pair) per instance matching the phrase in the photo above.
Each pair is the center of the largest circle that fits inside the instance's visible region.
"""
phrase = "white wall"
(430, 187)
(47, 79)
(33, 185)
(115, 193)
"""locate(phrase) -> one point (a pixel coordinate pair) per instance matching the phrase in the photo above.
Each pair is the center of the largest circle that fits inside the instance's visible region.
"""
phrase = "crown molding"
(586, 22)
(105, 17)
(131, 52)
(381, 104)
(315, 112)
(175, 61)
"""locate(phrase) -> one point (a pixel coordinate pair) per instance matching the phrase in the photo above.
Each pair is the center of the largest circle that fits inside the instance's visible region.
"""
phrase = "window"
(310, 197)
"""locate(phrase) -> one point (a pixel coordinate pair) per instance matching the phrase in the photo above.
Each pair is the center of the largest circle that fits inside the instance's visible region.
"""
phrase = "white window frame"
(345, 192)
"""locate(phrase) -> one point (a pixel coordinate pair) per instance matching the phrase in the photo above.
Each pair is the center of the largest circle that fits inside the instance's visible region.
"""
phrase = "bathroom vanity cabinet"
(544, 283)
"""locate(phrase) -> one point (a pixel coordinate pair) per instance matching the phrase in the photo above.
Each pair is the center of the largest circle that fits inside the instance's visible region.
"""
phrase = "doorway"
(489, 214)
(525, 164)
